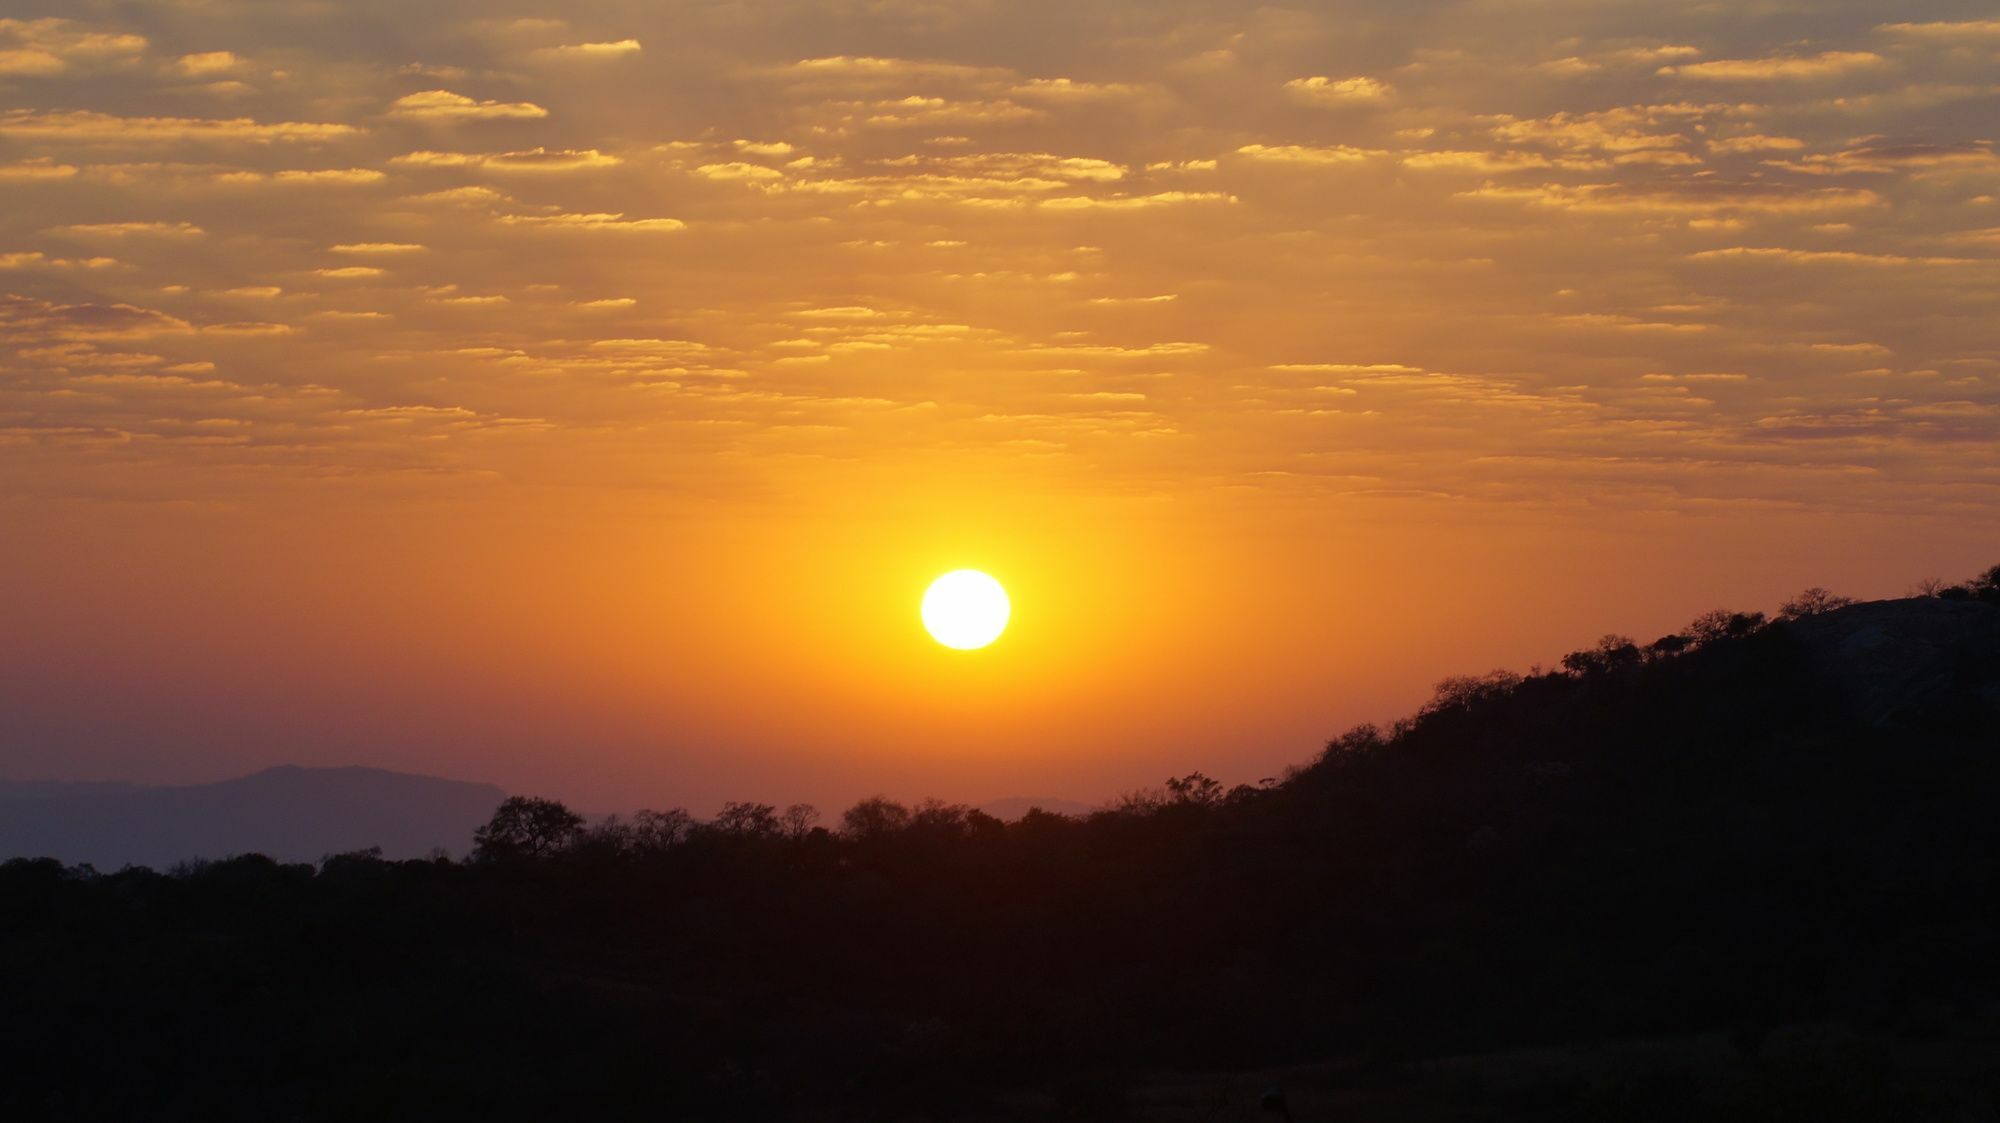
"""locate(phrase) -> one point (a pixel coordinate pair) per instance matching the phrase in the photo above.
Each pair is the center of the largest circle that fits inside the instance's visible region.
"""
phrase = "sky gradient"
(580, 397)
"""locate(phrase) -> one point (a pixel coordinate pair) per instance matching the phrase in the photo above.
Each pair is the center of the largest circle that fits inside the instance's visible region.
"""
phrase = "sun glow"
(965, 609)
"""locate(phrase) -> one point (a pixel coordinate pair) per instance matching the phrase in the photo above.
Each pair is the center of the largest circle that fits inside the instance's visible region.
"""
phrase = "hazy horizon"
(1015, 802)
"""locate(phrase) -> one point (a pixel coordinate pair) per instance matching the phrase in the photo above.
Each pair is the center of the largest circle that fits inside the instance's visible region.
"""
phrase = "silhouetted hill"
(1749, 825)
(289, 813)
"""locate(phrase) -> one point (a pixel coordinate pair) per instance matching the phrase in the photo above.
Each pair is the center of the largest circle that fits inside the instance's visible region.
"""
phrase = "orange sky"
(580, 397)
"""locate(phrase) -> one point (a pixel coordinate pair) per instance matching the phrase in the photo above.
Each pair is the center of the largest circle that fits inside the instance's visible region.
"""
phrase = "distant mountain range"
(289, 813)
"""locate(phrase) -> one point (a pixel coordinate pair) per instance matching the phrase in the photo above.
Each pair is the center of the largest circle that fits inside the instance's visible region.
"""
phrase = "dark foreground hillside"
(1768, 850)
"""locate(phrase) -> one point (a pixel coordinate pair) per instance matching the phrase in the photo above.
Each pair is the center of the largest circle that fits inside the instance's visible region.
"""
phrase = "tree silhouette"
(1195, 789)
(1986, 586)
(1812, 602)
(748, 820)
(1612, 653)
(874, 817)
(798, 821)
(527, 827)
(1722, 624)
(1462, 692)
(1666, 647)
(653, 831)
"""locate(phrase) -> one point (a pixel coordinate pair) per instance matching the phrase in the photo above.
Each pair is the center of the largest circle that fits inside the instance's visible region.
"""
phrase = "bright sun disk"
(965, 609)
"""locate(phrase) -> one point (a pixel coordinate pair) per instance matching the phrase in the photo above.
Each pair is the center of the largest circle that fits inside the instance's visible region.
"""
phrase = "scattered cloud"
(1812, 257)
(1686, 197)
(443, 105)
(1307, 154)
(1318, 90)
(621, 48)
(530, 161)
(41, 48)
(1962, 31)
(129, 229)
(612, 223)
(933, 241)
(205, 63)
(87, 127)
(35, 168)
(1826, 64)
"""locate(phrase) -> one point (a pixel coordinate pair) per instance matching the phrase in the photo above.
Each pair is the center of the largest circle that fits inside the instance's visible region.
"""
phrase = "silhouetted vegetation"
(1751, 824)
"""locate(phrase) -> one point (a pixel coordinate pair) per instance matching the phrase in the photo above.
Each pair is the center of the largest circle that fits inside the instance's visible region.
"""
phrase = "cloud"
(842, 312)
(1066, 90)
(443, 105)
(939, 192)
(1600, 61)
(299, 177)
(1486, 163)
(206, 63)
(1880, 156)
(612, 223)
(1754, 142)
(919, 110)
(738, 171)
(875, 71)
(1304, 154)
(1686, 197)
(1623, 129)
(468, 196)
(42, 48)
(1959, 31)
(35, 168)
(1133, 202)
(126, 229)
(531, 160)
(622, 48)
(24, 317)
(87, 127)
(35, 259)
(1811, 257)
(1319, 90)
(1827, 64)
(18, 61)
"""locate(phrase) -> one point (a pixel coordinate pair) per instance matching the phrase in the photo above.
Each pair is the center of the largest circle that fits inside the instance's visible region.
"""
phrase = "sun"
(965, 609)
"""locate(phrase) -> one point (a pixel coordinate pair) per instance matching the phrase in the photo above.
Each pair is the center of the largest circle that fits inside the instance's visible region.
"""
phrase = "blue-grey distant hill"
(289, 813)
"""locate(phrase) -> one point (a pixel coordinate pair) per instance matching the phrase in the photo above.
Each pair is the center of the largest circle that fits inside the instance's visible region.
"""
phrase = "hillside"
(1744, 827)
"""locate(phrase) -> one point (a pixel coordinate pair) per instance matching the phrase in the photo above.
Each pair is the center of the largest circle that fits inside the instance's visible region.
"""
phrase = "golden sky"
(579, 397)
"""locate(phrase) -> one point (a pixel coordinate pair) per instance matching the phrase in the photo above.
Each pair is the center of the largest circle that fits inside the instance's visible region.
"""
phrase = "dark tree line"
(1698, 832)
